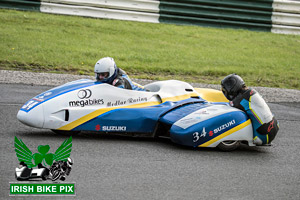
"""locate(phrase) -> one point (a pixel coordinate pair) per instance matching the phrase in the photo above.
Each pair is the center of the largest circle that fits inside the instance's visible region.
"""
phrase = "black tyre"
(56, 175)
(229, 145)
(44, 176)
(68, 133)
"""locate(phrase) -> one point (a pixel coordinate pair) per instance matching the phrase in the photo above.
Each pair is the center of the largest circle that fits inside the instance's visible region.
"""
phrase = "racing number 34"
(196, 135)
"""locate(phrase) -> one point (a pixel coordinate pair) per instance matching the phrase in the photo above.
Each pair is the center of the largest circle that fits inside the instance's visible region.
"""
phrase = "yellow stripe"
(267, 139)
(253, 110)
(96, 113)
(237, 128)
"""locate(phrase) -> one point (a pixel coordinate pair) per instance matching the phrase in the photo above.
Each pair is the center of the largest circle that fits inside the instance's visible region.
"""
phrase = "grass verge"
(41, 42)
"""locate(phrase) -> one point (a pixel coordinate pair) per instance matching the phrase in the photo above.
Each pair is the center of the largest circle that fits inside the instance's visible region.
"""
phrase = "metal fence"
(278, 16)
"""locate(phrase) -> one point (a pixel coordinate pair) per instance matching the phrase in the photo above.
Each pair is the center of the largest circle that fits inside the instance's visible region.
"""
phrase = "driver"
(265, 126)
(106, 71)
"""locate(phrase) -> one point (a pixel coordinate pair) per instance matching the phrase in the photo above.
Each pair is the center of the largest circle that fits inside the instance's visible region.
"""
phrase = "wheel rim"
(229, 142)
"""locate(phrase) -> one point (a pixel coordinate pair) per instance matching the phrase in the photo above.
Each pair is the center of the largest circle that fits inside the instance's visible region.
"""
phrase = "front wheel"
(56, 175)
(44, 176)
(68, 133)
(229, 145)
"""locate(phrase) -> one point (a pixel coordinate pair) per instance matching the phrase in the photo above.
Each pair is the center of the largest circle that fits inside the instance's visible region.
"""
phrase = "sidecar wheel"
(229, 145)
(44, 176)
(68, 133)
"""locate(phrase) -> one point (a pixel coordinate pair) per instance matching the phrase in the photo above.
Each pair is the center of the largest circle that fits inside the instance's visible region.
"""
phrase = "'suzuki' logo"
(114, 128)
(224, 126)
(110, 128)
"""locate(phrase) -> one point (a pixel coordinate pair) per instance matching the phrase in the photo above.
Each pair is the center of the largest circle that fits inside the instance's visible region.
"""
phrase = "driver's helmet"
(105, 70)
(232, 85)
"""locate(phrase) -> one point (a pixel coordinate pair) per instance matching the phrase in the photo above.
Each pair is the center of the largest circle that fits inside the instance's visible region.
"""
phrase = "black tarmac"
(116, 167)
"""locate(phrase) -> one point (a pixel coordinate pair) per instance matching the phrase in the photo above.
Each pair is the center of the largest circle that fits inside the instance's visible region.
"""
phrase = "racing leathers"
(265, 126)
(123, 81)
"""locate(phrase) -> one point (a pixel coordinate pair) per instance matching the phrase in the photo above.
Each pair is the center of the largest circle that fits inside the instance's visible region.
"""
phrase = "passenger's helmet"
(105, 70)
(232, 85)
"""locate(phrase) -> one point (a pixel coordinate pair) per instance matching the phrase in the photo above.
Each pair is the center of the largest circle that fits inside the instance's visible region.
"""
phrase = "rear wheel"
(229, 145)
(44, 176)
(68, 133)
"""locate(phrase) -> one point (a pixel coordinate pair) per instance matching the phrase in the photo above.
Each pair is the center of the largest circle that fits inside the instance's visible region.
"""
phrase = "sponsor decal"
(224, 126)
(110, 128)
(116, 103)
(84, 94)
(271, 126)
(40, 100)
(129, 101)
(98, 127)
(114, 128)
(190, 120)
(201, 115)
(87, 102)
(197, 135)
(47, 93)
(41, 97)
(29, 104)
(136, 100)
(202, 112)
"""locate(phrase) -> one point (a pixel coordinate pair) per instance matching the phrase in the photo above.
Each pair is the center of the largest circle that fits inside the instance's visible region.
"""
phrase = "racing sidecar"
(25, 173)
(188, 116)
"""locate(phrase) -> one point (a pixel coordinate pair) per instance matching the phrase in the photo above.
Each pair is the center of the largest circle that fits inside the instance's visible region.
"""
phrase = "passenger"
(106, 71)
(265, 126)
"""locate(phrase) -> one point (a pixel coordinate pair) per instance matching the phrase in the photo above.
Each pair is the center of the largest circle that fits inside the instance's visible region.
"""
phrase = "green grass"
(67, 44)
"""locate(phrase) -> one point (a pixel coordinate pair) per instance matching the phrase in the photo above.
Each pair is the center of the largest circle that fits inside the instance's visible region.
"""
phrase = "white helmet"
(108, 67)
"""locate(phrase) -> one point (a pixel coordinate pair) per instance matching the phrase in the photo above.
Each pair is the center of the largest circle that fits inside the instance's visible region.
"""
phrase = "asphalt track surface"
(115, 167)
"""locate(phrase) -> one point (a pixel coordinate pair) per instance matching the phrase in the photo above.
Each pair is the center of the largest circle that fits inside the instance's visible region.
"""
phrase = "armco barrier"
(278, 16)
(286, 17)
(99, 12)
(226, 13)
(286, 6)
(150, 6)
(21, 4)
(134, 10)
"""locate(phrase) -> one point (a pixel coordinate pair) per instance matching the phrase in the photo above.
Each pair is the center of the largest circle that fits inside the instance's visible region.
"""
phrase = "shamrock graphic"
(43, 155)
(32, 160)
